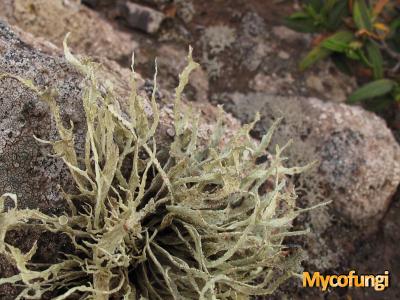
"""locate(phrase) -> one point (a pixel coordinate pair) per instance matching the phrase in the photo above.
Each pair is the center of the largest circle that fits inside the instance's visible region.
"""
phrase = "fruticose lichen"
(207, 222)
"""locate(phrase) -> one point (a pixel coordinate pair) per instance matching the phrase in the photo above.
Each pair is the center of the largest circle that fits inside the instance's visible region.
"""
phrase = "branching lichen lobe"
(198, 225)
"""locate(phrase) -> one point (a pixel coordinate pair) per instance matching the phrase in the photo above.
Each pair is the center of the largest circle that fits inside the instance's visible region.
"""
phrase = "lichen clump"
(188, 222)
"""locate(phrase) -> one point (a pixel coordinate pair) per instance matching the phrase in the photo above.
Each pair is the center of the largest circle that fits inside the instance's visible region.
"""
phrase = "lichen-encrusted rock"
(358, 166)
(52, 19)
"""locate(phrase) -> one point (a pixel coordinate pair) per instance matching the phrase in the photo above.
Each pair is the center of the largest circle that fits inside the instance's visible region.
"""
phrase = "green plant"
(205, 222)
(362, 38)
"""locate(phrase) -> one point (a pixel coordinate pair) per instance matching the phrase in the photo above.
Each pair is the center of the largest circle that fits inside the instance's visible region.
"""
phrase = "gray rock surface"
(26, 168)
(358, 169)
(169, 61)
(141, 17)
(90, 35)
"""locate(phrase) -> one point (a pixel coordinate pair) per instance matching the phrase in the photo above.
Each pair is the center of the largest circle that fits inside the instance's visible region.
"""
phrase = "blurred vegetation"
(362, 38)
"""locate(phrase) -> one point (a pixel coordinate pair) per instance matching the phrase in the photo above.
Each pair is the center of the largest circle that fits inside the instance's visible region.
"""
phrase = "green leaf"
(396, 93)
(353, 54)
(339, 41)
(363, 56)
(315, 14)
(337, 14)
(305, 25)
(328, 5)
(373, 89)
(376, 60)
(394, 35)
(299, 15)
(361, 15)
(317, 5)
(313, 56)
(394, 25)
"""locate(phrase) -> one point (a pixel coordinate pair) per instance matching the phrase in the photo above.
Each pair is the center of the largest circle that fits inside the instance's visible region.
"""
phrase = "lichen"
(215, 40)
(189, 222)
(218, 38)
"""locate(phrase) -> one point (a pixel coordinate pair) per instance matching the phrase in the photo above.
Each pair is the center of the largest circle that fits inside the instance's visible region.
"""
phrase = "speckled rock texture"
(358, 166)
(358, 158)
(26, 168)
(52, 19)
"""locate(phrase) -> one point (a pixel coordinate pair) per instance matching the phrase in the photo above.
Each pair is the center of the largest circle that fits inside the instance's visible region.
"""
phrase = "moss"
(206, 222)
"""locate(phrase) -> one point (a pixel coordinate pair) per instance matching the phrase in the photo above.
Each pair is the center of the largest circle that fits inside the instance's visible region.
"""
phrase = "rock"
(379, 254)
(169, 60)
(359, 168)
(253, 24)
(256, 54)
(327, 81)
(287, 34)
(280, 54)
(141, 17)
(272, 84)
(315, 82)
(250, 46)
(91, 3)
(98, 3)
(52, 19)
(283, 55)
(153, 3)
(185, 10)
(26, 169)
